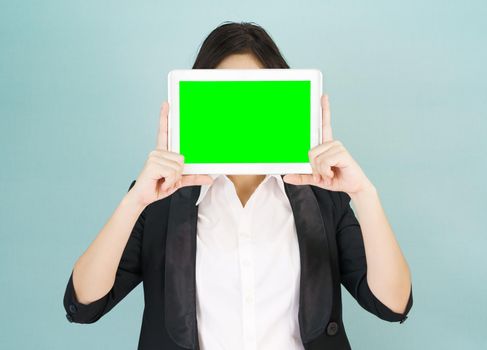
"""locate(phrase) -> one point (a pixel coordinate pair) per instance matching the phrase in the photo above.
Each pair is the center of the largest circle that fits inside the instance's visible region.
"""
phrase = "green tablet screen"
(244, 121)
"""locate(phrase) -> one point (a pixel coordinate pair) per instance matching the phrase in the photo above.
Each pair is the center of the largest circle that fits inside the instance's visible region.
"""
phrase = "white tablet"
(244, 121)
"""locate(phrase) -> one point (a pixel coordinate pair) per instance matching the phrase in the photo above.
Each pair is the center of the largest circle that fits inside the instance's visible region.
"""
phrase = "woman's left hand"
(333, 167)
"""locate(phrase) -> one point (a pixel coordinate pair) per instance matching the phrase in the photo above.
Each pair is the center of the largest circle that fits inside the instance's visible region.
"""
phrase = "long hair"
(236, 38)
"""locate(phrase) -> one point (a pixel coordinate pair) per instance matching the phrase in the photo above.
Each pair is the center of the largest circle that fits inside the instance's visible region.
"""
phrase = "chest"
(250, 250)
(247, 273)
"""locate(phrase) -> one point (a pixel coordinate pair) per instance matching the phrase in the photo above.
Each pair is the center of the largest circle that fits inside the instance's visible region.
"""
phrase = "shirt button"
(332, 328)
(73, 308)
(245, 262)
(249, 298)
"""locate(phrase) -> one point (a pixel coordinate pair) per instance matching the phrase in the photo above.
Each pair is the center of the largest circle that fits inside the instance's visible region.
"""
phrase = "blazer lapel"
(180, 279)
(316, 283)
(316, 286)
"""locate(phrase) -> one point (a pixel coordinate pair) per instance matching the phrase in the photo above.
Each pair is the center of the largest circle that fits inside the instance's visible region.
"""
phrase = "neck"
(245, 185)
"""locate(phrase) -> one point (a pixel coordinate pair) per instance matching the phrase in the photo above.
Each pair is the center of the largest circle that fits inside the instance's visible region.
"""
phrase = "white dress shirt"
(247, 268)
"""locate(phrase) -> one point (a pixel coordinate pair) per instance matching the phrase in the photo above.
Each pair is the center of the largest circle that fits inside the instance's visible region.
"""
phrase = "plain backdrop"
(81, 84)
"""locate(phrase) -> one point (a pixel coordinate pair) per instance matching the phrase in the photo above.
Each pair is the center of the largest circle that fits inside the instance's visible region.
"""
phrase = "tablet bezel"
(313, 75)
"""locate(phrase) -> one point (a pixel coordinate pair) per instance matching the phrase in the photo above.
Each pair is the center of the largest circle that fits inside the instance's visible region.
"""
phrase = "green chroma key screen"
(245, 121)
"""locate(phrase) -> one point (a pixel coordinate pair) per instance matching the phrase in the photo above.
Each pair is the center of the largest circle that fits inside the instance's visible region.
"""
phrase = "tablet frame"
(313, 75)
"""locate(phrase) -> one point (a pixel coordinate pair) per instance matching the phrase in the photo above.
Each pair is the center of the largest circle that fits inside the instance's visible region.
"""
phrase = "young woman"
(244, 261)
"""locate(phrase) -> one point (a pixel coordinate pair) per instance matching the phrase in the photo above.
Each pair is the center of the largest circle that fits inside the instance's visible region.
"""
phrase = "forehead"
(240, 60)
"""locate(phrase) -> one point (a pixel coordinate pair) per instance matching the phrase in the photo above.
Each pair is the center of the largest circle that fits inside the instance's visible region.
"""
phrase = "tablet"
(244, 121)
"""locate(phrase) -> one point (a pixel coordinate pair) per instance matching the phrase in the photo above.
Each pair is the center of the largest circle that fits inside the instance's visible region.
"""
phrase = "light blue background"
(81, 85)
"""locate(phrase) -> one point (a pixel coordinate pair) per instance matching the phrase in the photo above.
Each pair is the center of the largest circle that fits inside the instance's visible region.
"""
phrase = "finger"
(196, 179)
(313, 167)
(321, 158)
(311, 162)
(162, 133)
(319, 149)
(168, 163)
(174, 187)
(158, 153)
(327, 134)
(316, 176)
(325, 163)
(306, 179)
(169, 174)
(324, 169)
(171, 170)
(300, 179)
(167, 190)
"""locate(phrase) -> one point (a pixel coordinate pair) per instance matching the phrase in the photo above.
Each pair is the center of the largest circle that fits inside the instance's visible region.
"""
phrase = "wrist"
(133, 201)
(366, 191)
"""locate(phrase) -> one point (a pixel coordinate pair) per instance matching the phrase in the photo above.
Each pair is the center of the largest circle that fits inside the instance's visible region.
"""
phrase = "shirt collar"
(205, 188)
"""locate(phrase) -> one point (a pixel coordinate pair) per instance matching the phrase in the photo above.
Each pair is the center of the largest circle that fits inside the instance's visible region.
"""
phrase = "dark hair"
(244, 37)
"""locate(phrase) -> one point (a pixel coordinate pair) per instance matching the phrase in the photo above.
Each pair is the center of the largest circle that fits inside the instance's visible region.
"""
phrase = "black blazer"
(161, 253)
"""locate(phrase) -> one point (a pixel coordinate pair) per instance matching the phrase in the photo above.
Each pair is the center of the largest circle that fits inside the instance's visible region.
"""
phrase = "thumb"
(197, 179)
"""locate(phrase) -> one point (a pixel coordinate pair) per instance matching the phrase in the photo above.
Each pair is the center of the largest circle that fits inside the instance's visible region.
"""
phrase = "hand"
(333, 167)
(162, 173)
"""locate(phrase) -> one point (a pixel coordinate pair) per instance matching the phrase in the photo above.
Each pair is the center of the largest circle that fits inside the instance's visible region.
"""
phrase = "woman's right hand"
(162, 172)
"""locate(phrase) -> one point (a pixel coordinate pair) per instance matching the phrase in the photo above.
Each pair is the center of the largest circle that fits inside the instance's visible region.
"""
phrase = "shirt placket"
(246, 260)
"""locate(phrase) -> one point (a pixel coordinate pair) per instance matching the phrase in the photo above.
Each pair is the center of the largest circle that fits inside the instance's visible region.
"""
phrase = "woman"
(244, 261)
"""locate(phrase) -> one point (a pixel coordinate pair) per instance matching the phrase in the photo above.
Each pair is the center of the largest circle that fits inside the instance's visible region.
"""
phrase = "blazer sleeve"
(353, 264)
(128, 276)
